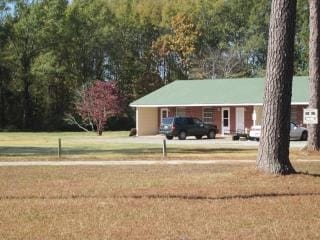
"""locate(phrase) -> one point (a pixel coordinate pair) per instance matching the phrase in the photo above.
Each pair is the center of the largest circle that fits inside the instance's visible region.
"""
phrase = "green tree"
(302, 39)
(257, 36)
(3, 68)
(49, 48)
(52, 80)
(88, 24)
(129, 54)
(24, 47)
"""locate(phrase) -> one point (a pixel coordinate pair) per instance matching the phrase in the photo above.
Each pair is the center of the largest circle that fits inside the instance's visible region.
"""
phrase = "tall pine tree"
(314, 72)
(273, 154)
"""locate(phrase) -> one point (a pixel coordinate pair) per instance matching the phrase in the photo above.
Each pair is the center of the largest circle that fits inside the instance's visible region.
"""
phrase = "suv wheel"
(169, 137)
(182, 135)
(211, 134)
(304, 136)
(198, 136)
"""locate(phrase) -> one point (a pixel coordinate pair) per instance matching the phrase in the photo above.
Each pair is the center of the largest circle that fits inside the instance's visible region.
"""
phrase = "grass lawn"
(159, 202)
(114, 146)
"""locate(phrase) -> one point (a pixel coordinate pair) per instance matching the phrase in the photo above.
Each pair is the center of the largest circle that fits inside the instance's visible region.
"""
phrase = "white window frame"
(181, 113)
(206, 112)
(162, 110)
(224, 129)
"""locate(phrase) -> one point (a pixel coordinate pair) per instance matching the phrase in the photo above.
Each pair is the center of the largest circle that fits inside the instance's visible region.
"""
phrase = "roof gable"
(240, 91)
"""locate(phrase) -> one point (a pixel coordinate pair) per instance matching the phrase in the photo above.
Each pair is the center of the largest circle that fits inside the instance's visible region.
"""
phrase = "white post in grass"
(59, 147)
(164, 148)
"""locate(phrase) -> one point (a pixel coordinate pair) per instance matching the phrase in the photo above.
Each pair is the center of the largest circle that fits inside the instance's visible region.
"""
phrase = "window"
(164, 113)
(190, 121)
(208, 115)
(180, 112)
(197, 121)
(167, 121)
(226, 118)
(181, 121)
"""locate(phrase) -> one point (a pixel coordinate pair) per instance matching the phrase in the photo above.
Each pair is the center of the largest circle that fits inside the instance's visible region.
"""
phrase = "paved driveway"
(220, 141)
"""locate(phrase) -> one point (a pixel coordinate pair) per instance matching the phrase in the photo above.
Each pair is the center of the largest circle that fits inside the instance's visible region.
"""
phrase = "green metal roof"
(217, 92)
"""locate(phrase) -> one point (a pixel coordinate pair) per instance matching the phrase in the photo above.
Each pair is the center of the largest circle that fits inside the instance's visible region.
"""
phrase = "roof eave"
(207, 105)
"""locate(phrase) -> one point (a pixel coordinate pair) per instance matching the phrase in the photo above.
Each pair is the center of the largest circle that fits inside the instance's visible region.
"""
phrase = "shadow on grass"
(309, 174)
(228, 197)
(163, 196)
(30, 151)
(47, 151)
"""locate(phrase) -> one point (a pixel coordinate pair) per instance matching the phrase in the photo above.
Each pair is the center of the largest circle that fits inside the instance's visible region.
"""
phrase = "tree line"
(49, 49)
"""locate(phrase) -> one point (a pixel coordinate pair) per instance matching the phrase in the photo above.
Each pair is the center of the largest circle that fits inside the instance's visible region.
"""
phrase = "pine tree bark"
(314, 72)
(273, 153)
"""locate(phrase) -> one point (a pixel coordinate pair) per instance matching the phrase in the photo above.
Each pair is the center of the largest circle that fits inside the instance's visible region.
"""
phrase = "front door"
(164, 113)
(240, 119)
(225, 114)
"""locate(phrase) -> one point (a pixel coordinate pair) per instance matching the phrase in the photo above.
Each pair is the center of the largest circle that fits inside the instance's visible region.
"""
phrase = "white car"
(296, 132)
(255, 132)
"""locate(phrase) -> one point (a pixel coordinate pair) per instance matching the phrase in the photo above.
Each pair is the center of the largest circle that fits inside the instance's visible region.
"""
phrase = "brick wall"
(298, 109)
(217, 118)
(232, 118)
(248, 122)
(248, 110)
(172, 111)
(194, 112)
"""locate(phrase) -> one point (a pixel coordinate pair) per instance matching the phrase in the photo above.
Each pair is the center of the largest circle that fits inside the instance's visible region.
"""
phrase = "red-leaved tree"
(98, 102)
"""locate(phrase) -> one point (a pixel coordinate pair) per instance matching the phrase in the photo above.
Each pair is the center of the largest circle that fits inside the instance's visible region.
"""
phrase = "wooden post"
(59, 147)
(164, 148)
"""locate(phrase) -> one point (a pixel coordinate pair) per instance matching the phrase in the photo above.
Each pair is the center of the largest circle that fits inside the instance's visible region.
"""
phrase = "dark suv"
(182, 127)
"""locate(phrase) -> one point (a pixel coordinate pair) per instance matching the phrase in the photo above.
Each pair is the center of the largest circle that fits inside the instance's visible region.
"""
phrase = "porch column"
(258, 112)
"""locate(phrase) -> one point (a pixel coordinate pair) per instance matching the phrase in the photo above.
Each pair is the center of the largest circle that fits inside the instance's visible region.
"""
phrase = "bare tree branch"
(72, 121)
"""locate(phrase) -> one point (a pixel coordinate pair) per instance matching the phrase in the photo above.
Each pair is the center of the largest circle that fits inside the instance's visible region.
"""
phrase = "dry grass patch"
(117, 146)
(111, 146)
(158, 202)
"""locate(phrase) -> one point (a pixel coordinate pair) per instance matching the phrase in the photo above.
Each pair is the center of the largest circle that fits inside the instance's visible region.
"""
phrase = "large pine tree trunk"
(314, 72)
(273, 153)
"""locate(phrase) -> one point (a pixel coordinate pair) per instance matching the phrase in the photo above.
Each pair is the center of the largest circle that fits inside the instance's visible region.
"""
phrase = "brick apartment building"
(232, 104)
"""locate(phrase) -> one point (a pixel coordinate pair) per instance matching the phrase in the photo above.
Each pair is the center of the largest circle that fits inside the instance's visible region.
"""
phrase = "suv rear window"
(167, 121)
(180, 121)
(190, 121)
